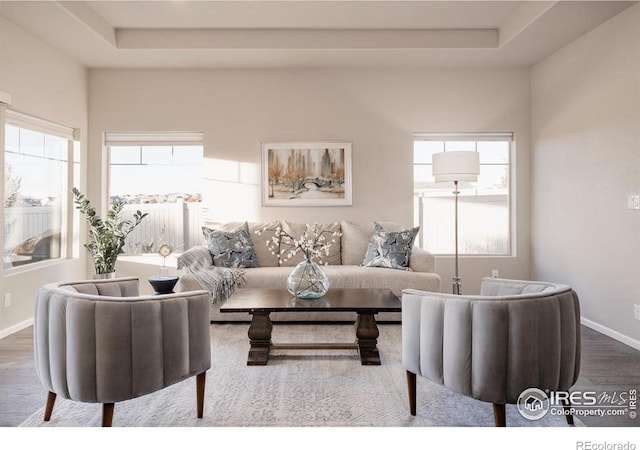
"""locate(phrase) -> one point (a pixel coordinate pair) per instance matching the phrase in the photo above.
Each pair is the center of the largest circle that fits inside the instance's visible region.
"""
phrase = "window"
(161, 174)
(484, 217)
(36, 168)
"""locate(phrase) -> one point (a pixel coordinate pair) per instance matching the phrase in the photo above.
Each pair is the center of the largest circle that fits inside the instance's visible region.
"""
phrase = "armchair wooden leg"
(411, 385)
(499, 415)
(566, 405)
(107, 414)
(51, 399)
(200, 383)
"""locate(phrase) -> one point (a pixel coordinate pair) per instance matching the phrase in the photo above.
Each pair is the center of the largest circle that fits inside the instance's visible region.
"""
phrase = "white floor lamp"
(456, 166)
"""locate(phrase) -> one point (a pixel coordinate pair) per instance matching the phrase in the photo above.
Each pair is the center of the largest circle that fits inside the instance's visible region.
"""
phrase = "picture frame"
(306, 173)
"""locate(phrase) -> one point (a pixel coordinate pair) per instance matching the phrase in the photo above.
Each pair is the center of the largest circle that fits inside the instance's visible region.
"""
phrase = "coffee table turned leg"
(260, 339)
(367, 334)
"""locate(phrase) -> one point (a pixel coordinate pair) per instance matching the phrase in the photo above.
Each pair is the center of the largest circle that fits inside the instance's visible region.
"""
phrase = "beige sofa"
(344, 271)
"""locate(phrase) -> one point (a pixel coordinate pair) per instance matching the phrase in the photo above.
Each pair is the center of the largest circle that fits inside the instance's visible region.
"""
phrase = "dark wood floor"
(607, 365)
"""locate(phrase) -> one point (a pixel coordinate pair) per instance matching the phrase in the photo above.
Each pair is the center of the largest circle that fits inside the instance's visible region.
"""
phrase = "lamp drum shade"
(456, 166)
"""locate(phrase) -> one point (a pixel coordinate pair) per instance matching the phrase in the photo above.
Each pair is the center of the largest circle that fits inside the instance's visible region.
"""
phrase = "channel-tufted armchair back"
(491, 347)
(98, 341)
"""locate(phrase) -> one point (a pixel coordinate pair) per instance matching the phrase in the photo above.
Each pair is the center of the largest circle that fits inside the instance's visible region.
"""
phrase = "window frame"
(144, 139)
(477, 137)
(70, 135)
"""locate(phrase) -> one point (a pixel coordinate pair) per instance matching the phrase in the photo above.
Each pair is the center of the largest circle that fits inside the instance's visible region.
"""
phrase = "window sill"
(451, 255)
(35, 266)
(151, 259)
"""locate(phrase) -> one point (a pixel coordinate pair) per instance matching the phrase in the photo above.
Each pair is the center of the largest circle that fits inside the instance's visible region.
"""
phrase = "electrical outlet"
(633, 202)
(7, 299)
(636, 312)
(495, 273)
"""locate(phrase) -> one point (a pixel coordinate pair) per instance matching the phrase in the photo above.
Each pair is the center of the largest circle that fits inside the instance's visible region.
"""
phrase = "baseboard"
(611, 333)
(15, 328)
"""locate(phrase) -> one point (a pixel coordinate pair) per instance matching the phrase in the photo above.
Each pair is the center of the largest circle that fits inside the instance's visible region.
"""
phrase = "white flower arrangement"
(313, 243)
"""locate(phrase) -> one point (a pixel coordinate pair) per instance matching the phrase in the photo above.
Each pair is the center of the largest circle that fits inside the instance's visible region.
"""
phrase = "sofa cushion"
(350, 276)
(231, 248)
(328, 232)
(288, 256)
(390, 249)
(261, 233)
(355, 239)
(332, 235)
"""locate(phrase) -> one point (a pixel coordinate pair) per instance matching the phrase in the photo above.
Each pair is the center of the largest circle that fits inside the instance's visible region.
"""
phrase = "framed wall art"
(306, 174)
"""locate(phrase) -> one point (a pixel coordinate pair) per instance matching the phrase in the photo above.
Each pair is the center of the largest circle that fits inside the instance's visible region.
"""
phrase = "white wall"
(378, 111)
(44, 83)
(586, 159)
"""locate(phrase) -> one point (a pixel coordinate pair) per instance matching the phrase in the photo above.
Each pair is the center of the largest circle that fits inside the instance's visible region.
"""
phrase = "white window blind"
(507, 136)
(21, 120)
(155, 138)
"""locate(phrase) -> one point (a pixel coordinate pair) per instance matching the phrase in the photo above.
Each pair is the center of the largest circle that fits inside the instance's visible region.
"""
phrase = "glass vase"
(307, 281)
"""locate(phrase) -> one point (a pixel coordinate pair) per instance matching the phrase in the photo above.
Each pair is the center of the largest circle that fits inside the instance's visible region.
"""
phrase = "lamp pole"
(456, 278)
(456, 166)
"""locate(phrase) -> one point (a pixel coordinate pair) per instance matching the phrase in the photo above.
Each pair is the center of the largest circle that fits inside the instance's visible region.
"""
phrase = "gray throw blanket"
(220, 282)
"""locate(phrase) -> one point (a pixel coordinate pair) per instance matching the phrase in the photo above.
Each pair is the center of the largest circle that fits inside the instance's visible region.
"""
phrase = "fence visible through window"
(176, 224)
(36, 164)
(160, 174)
(484, 208)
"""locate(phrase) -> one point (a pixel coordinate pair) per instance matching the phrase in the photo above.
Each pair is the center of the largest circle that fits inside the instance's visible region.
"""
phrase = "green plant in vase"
(106, 237)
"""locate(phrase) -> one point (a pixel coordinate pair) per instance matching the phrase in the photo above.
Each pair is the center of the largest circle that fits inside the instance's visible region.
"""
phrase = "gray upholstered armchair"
(98, 341)
(515, 335)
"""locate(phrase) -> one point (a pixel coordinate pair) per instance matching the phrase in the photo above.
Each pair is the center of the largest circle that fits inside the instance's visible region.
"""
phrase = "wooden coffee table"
(259, 303)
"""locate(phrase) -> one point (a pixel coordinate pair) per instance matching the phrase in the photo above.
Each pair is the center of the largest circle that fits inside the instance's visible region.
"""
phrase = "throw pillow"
(260, 232)
(390, 249)
(231, 248)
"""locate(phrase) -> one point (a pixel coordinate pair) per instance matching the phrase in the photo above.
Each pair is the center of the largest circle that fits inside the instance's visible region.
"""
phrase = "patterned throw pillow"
(231, 248)
(391, 249)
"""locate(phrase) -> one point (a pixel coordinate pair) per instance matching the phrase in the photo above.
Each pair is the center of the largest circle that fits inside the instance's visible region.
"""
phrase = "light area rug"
(298, 388)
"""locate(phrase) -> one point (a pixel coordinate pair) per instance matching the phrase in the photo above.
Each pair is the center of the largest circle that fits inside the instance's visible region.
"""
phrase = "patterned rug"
(298, 388)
